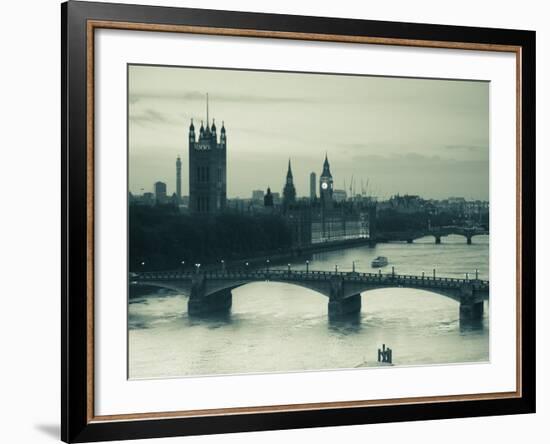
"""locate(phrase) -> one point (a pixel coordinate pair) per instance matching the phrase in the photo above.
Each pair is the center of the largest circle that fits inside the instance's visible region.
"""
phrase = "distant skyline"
(406, 136)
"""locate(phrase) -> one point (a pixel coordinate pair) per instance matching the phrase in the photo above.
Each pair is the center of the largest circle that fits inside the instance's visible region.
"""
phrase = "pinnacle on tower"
(207, 121)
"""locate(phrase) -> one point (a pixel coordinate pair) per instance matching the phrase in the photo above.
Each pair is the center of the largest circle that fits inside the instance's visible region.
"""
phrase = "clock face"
(324, 185)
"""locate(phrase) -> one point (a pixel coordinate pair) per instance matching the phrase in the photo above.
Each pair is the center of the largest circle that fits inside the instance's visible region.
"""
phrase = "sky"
(400, 135)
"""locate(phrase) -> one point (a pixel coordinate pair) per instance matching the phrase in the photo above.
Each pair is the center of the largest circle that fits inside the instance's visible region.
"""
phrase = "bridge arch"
(324, 289)
(438, 236)
(211, 291)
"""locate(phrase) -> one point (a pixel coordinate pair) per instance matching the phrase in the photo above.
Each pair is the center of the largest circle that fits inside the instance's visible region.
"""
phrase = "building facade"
(160, 192)
(207, 168)
(257, 195)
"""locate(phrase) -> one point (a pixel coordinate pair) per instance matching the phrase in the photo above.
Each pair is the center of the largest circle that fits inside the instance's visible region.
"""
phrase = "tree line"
(161, 238)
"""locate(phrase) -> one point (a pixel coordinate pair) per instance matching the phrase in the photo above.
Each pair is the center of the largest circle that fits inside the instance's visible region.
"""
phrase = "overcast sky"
(414, 136)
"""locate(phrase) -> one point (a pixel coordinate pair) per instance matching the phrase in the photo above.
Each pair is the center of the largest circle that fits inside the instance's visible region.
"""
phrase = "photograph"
(283, 221)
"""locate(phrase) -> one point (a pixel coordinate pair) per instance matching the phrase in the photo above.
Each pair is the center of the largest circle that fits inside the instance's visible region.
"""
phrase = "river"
(276, 327)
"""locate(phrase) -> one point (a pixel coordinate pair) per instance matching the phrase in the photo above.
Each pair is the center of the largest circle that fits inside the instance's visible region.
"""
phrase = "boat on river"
(380, 261)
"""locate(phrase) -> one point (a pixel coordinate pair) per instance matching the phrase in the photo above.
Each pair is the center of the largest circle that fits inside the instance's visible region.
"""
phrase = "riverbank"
(277, 257)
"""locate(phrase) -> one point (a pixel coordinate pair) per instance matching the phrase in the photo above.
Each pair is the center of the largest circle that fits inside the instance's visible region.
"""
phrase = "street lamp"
(477, 274)
(336, 268)
(307, 266)
(353, 266)
(288, 265)
(267, 265)
(223, 265)
(197, 266)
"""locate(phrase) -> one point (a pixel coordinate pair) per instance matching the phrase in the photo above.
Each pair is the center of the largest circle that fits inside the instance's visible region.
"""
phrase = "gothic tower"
(178, 180)
(326, 186)
(289, 192)
(207, 168)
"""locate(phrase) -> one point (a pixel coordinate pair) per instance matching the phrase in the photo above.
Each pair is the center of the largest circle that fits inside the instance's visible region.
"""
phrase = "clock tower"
(326, 186)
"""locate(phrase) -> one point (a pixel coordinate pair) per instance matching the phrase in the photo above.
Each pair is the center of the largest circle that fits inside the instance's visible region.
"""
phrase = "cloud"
(415, 161)
(137, 96)
(149, 116)
(469, 148)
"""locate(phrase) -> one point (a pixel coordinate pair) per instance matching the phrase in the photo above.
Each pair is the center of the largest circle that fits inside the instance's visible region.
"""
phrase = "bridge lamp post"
(246, 265)
(467, 277)
(422, 275)
(197, 267)
(336, 268)
(288, 265)
(434, 273)
(393, 271)
(223, 265)
(307, 266)
(477, 274)
(267, 265)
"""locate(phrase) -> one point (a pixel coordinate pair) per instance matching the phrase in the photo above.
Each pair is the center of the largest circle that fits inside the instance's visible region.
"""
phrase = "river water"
(276, 327)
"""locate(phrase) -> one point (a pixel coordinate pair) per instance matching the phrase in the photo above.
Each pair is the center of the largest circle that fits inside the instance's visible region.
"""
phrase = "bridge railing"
(311, 275)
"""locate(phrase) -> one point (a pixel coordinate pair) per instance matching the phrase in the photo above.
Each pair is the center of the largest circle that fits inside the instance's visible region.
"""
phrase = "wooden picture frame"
(79, 22)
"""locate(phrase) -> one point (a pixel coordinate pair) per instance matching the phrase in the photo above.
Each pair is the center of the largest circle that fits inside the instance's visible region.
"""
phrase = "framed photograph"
(275, 221)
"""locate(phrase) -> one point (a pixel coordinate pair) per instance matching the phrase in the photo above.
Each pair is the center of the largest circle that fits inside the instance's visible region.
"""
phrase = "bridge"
(436, 232)
(210, 291)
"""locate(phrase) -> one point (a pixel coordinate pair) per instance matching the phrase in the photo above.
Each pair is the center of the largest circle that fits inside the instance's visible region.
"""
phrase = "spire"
(326, 167)
(207, 110)
(289, 172)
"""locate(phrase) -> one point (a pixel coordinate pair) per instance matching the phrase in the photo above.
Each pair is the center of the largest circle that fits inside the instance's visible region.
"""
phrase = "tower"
(207, 168)
(326, 186)
(178, 180)
(268, 198)
(160, 192)
(289, 192)
(313, 186)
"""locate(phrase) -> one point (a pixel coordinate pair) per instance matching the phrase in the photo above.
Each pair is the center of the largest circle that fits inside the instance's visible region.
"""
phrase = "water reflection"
(280, 327)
